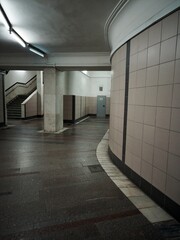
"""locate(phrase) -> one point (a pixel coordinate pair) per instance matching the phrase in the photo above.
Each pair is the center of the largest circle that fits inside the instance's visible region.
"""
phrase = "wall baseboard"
(160, 198)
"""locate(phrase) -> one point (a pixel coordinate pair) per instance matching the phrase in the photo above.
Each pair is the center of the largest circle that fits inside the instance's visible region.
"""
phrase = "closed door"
(101, 106)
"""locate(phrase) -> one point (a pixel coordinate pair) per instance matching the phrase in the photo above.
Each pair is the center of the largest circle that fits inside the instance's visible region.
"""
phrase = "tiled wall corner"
(117, 101)
(153, 120)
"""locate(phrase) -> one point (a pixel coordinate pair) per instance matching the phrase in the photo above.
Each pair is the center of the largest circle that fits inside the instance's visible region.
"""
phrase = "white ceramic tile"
(122, 67)
(174, 143)
(160, 159)
(153, 55)
(131, 96)
(139, 114)
(166, 73)
(132, 79)
(139, 96)
(151, 96)
(130, 144)
(175, 120)
(176, 96)
(173, 166)
(131, 111)
(168, 50)
(159, 179)
(129, 192)
(178, 48)
(179, 23)
(164, 97)
(141, 78)
(126, 183)
(163, 115)
(148, 134)
(150, 210)
(177, 72)
(134, 45)
(146, 171)
(129, 157)
(138, 130)
(133, 62)
(142, 59)
(149, 115)
(136, 164)
(162, 139)
(173, 192)
(152, 76)
(147, 153)
(142, 202)
(155, 214)
(121, 95)
(130, 128)
(143, 40)
(137, 149)
(155, 34)
(169, 26)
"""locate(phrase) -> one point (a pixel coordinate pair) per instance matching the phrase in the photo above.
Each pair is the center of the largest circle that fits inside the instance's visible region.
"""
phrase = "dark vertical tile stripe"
(126, 101)
(4, 105)
(73, 107)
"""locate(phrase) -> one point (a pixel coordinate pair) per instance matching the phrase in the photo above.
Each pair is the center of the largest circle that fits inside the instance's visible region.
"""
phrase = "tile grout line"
(152, 211)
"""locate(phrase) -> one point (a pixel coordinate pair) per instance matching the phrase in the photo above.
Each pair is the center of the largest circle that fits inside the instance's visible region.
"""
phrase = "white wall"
(72, 82)
(80, 84)
(18, 76)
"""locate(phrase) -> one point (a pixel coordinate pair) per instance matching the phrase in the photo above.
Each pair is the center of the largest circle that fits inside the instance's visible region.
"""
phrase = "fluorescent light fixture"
(36, 51)
(18, 38)
(4, 18)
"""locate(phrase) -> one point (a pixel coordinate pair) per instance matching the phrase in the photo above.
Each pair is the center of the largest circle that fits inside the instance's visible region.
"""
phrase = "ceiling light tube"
(36, 51)
(4, 18)
(18, 38)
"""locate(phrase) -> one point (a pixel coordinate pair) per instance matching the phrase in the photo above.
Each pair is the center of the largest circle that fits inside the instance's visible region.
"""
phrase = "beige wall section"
(92, 105)
(77, 107)
(67, 108)
(30, 106)
(117, 101)
(153, 126)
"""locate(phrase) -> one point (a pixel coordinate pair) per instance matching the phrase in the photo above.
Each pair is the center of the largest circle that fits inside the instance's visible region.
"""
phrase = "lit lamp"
(18, 38)
(35, 50)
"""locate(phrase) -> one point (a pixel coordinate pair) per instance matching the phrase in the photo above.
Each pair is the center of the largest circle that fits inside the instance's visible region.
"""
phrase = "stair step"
(14, 107)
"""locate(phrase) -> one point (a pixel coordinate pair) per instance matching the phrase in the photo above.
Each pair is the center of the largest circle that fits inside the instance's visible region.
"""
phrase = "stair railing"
(29, 106)
(20, 89)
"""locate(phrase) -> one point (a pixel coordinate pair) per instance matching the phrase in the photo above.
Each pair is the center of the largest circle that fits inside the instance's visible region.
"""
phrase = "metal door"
(101, 106)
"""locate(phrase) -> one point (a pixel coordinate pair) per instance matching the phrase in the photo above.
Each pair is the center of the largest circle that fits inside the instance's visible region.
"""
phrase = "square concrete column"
(53, 101)
(40, 93)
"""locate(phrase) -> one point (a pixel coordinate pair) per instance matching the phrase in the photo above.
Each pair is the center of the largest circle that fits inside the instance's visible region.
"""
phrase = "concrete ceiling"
(56, 26)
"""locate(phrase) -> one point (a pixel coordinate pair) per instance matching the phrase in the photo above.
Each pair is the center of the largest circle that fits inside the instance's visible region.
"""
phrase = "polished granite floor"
(53, 187)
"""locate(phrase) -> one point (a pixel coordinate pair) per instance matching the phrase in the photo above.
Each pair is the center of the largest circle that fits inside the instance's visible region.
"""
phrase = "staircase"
(14, 107)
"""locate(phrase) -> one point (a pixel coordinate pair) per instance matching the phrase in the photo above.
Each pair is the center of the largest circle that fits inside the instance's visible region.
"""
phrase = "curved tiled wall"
(147, 125)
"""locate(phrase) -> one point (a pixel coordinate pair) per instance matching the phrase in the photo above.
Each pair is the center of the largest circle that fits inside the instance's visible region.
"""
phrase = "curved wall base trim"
(165, 202)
